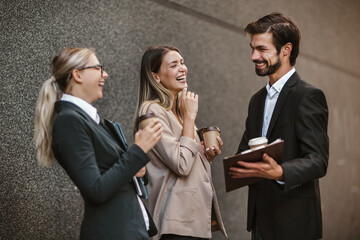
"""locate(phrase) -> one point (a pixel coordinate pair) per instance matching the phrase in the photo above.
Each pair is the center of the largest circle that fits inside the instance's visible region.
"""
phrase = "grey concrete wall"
(37, 203)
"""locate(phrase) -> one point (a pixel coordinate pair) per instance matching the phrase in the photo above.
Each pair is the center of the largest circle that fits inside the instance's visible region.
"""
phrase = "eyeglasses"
(95, 66)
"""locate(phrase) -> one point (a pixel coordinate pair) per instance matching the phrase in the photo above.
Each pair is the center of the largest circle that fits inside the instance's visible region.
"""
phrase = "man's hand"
(268, 168)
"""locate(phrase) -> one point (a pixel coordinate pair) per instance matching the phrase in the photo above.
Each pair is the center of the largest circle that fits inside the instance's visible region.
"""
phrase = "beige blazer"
(182, 197)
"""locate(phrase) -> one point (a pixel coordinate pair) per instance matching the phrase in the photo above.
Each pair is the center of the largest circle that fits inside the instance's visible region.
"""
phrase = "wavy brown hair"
(150, 91)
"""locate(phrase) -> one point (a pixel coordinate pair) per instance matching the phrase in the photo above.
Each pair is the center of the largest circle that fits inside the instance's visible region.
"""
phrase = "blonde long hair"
(150, 91)
(62, 66)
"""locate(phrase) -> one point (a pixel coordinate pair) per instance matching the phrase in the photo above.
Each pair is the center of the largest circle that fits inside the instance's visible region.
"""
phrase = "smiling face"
(264, 54)
(172, 72)
(92, 82)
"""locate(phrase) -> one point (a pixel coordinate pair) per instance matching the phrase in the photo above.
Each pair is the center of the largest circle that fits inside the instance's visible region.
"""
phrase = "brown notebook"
(274, 150)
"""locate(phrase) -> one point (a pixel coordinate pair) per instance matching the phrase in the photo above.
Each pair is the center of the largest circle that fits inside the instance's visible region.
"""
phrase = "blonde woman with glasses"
(68, 129)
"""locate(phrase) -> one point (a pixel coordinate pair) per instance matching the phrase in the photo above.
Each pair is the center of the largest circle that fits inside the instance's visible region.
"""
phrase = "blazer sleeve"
(177, 153)
(311, 131)
(73, 147)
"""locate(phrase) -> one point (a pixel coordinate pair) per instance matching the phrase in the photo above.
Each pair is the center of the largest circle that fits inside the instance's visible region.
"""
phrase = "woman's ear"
(156, 77)
(77, 76)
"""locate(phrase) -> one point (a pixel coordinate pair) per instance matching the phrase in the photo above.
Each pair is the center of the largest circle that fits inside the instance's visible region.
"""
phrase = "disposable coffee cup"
(209, 135)
(257, 142)
(144, 120)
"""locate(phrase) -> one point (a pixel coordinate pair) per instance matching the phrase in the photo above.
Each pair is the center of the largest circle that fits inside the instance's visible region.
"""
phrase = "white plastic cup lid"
(258, 141)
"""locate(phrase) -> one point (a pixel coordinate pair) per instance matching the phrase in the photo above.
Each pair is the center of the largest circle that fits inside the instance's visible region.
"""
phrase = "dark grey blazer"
(291, 211)
(102, 171)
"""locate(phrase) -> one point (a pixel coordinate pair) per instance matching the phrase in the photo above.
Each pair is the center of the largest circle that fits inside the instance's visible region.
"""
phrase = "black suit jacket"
(102, 171)
(290, 211)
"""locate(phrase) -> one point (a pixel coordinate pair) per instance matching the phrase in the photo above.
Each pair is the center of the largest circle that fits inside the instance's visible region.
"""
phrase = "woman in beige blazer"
(182, 197)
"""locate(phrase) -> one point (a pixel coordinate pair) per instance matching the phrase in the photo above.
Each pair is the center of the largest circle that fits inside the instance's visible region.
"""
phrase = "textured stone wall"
(38, 203)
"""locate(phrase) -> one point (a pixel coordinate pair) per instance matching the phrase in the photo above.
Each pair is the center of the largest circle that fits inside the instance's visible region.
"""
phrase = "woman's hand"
(213, 151)
(141, 172)
(147, 138)
(188, 105)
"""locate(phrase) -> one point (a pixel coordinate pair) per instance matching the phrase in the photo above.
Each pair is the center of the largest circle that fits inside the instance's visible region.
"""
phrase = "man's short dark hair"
(284, 31)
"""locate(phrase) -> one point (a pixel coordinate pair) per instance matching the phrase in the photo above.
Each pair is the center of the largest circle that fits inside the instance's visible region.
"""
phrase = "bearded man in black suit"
(286, 204)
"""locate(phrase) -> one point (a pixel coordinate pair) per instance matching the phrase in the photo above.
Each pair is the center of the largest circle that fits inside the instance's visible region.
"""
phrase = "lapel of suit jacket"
(65, 104)
(259, 104)
(280, 102)
(116, 131)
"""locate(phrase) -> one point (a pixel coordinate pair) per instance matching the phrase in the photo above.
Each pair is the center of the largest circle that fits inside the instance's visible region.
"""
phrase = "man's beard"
(268, 70)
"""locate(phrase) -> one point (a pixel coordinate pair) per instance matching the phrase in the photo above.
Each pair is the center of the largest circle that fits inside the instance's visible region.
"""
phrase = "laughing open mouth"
(181, 78)
(259, 64)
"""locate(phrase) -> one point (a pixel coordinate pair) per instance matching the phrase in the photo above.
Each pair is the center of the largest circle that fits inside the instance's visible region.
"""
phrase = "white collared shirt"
(92, 112)
(272, 96)
(86, 107)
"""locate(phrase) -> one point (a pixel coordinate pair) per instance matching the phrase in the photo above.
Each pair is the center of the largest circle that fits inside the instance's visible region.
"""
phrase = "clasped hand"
(213, 151)
(188, 104)
(141, 172)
